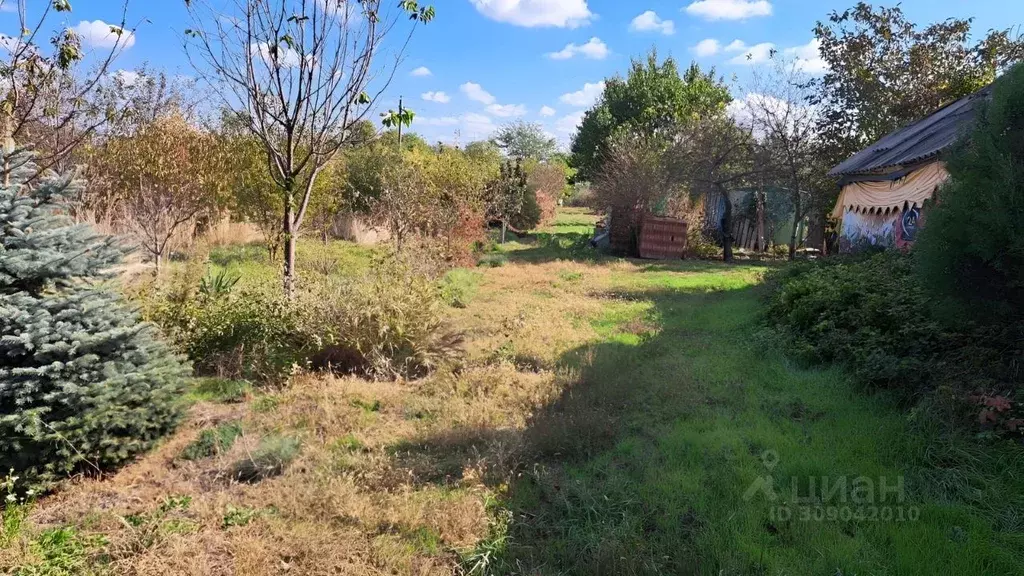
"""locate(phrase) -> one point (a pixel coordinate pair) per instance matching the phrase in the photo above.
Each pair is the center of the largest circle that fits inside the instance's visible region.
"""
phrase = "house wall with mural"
(866, 229)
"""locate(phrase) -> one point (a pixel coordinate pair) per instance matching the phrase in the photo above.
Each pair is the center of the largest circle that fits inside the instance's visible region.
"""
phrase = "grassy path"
(612, 417)
(656, 456)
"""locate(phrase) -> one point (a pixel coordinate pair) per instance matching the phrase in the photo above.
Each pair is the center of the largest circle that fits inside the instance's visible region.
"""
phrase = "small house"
(885, 188)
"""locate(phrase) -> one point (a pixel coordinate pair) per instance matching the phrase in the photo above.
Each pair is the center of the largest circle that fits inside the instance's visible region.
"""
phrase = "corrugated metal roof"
(916, 142)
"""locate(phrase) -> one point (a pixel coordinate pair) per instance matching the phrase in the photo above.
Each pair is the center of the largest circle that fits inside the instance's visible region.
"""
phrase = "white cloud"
(595, 49)
(568, 124)
(507, 110)
(99, 34)
(585, 97)
(439, 97)
(763, 112)
(127, 77)
(707, 47)
(421, 72)
(756, 54)
(8, 6)
(532, 13)
(650, 22)
(807, 58)
(475, 126)
(729, 9)
(476, 93)
(285, 57)
(547, 111)
(736, 46)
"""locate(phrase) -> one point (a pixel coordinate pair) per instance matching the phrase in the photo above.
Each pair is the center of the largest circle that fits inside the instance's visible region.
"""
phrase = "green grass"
(219, 390)
(572, 221)
(252, 262)
(650, 464)
(212, 441)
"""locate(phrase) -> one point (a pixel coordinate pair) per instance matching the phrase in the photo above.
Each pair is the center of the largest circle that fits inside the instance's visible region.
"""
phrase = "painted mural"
(865, 230)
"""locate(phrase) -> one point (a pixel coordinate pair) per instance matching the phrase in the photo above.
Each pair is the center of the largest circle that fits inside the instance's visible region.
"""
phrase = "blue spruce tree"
(84, 385)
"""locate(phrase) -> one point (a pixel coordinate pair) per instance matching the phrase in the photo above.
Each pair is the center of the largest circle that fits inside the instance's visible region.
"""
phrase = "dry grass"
(369, 493)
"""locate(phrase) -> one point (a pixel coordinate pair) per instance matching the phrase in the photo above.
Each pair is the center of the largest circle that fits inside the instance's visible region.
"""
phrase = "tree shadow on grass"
(572, 483)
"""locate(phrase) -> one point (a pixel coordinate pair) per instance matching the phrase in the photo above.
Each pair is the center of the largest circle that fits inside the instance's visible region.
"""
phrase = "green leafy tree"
(510, 199)
(525, 140)
(971, 249)
(653, 99)
(885, 72)
(83, 383)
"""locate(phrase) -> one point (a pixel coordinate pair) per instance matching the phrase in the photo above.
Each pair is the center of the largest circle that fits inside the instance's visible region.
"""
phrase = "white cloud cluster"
(729, 9)
(476, 93)
(439, 97)
(594, 49)
(650, 22)
(567, 125)
(99, 34)
(507, 110)
(421, 72)
(547, 111)
(807, 58)
(537, 13)
(584, 97)
(707, 47)
(750, 55)
(283, 57)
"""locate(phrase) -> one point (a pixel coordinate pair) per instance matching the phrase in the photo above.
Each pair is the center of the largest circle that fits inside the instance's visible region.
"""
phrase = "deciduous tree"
(300, 73)
(653, 99)
(46, 100)
(884, 71)
(523, 140)
(170, 173)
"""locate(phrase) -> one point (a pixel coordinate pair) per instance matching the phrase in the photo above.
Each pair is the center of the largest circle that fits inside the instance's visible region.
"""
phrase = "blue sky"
(543, 60)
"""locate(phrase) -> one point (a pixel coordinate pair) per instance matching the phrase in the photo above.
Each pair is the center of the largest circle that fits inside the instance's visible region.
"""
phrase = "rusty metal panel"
(662, 238)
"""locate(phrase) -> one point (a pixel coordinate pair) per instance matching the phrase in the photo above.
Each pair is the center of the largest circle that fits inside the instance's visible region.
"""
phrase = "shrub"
(252, 334)
(83, 383)
(394, 319)
(872, 315)
(270, 459)
(971, 248)
(212, 441)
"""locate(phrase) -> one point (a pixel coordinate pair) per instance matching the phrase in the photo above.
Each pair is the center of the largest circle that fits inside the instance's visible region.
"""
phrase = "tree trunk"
(727, 228)
(797, 217)
(159, 260)
(504, 227)
(760, 220)
(289, 240)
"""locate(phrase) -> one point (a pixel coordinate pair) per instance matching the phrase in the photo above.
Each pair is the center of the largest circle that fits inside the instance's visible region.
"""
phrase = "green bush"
(269, 459)
(872, 315)
(252, 334)
(212, 441)
(971, 247)
(84, 385)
